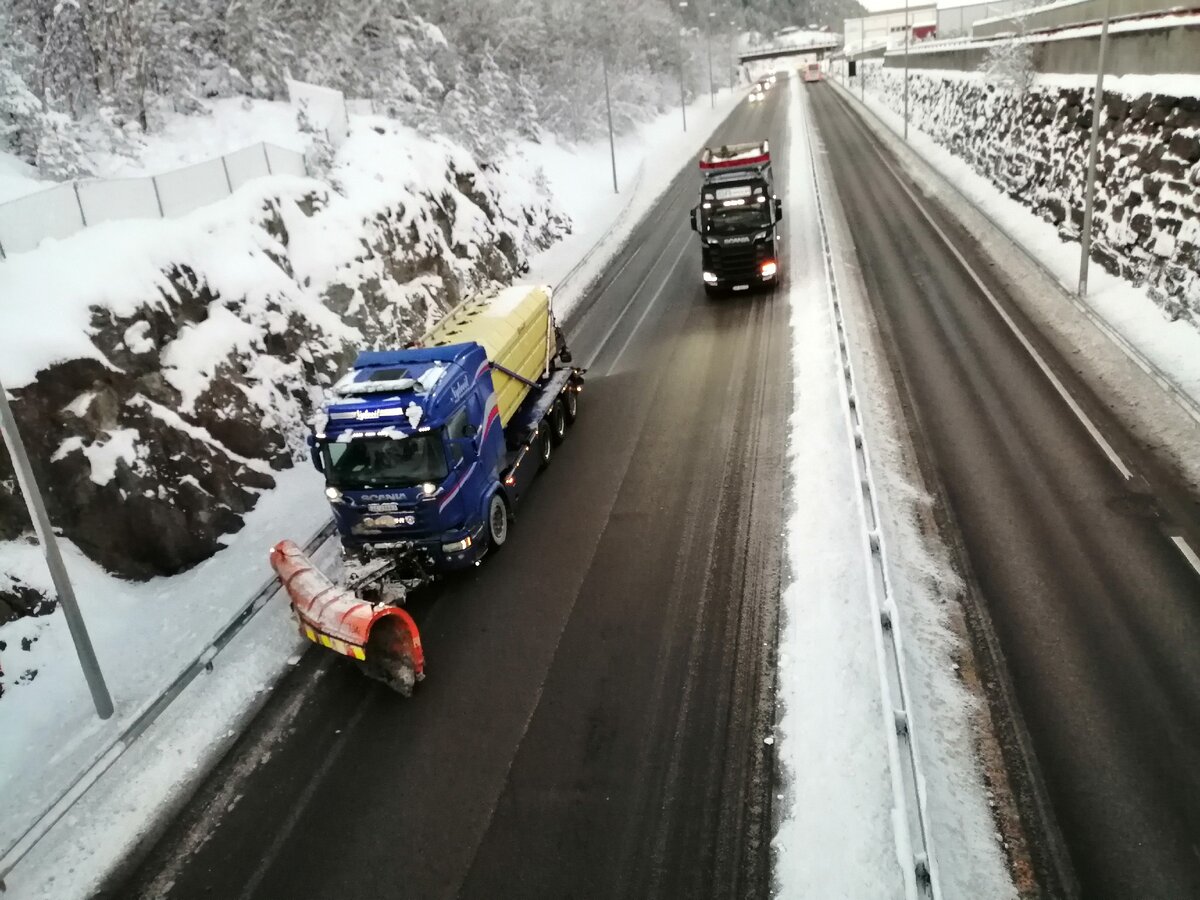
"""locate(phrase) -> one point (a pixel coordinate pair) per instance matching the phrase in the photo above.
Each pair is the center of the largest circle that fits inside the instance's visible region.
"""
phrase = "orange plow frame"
(338, 619)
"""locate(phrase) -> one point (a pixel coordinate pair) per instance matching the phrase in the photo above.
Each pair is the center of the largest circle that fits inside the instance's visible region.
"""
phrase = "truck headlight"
(333, 494)
(710, 278)
(429, 489)
(769, 268)
(457, 546)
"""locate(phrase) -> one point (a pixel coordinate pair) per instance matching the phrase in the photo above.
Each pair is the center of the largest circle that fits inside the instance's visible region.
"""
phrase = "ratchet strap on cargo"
(511, 374)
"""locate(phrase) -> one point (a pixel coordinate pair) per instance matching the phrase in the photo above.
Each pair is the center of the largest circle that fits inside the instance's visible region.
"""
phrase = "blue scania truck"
(426, 450)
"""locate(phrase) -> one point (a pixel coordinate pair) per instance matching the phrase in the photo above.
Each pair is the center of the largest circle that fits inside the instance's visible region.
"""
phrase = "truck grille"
(737, 263)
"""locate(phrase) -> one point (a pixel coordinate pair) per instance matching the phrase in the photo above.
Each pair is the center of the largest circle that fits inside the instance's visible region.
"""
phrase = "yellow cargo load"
(515, 328)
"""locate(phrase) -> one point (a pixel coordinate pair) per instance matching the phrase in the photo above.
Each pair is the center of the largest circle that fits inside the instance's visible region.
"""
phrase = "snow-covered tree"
(1010, 63)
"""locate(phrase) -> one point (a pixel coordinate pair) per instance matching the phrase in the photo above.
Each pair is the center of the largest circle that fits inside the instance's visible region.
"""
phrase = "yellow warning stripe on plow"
(338, 646)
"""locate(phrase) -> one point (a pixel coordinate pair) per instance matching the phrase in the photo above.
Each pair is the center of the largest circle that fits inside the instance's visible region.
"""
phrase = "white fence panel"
(247, 164)
(285, 162)
(26, 221)
(123, 198)
(186, 189)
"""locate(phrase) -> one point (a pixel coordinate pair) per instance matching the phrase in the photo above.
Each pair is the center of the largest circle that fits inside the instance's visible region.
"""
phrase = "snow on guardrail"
(910, 813)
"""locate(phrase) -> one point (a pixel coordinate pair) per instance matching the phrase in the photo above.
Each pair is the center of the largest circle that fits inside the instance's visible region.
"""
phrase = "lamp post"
(682, 97)
(732, 68)
(612, 143)
(712, 85)
(1085, 239)
(54, 561)
(907, 28)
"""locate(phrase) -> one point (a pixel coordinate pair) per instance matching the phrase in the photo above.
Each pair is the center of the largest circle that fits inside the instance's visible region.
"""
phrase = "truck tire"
(558, 422)
(571, 405)
(545, 444)
(497, 521)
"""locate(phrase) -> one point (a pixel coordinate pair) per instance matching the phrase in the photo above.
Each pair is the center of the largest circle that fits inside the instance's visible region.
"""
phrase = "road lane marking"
(1188, 553)
(1097, 437)
(649, 306)
(620, 317)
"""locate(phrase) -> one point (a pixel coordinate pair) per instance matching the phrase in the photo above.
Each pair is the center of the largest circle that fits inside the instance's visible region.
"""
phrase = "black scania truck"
(738, 218)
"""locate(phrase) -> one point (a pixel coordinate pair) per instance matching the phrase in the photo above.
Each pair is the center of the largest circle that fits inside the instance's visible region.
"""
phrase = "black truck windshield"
(384, 462)
(726, 220)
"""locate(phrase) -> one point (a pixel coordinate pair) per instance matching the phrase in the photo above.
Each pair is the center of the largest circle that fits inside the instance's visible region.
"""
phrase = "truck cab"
(412, 452)
(737, 218)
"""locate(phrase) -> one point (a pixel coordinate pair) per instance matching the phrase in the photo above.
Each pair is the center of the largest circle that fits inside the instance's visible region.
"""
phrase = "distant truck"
(738, 218)
(425, 452)
(812, 71)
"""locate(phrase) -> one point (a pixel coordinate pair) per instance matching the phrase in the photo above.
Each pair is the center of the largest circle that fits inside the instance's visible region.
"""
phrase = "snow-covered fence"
(64, 209)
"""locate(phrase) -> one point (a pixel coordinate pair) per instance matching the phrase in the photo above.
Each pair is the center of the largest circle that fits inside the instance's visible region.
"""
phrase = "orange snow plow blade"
(383, 639)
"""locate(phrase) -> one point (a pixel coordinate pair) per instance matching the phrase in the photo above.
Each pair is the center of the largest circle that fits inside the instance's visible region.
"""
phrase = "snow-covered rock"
(1146, 222)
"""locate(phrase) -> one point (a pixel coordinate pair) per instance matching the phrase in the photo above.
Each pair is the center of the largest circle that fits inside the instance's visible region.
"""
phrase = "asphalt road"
(592, 722)
(1096, 610)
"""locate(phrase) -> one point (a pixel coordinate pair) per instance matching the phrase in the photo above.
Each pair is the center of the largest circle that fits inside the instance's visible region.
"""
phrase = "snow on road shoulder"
(837, 831)
(835, 839)
(144, 634)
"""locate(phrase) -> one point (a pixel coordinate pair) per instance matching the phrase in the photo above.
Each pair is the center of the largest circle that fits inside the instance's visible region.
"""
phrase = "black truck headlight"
(710, 278)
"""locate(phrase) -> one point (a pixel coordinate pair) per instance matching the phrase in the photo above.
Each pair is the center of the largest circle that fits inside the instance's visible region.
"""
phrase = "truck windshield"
(384, 462)
(726, 220)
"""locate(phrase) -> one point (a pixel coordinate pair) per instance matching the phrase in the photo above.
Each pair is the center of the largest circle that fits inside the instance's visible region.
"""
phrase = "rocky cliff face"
(152, 448)
(1146, 224)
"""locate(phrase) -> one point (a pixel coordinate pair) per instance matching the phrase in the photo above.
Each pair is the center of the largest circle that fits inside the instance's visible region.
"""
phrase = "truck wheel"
(558, 422)
(545, 445)
(571, 405)
(497, 521)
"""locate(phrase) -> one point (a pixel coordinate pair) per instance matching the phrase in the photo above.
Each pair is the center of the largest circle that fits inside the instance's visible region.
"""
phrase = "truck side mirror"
(693, 218)
(314, 453)
(778, 210)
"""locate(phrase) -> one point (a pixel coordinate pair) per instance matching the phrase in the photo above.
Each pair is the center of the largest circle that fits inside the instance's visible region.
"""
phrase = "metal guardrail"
(113, 751)
(910, 814)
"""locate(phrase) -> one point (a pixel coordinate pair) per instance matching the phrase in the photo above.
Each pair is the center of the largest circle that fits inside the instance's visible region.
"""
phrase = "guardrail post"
(157, 196)
(79, 203)
(58, 571)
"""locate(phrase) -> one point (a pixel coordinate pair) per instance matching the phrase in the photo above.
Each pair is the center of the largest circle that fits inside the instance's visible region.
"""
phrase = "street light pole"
(712, 85)
(907, 28)
(682, 96)
(1085, 239)
(54, 561)
(862, 59)
(612, 143)
(732, 69)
